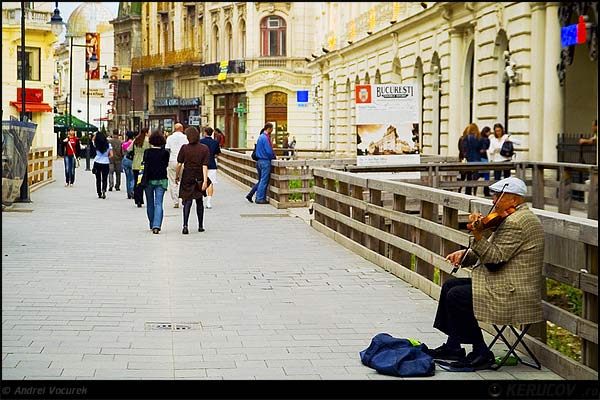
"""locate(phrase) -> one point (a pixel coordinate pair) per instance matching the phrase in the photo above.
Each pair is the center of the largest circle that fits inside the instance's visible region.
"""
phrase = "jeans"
(69, 169)
(264, 174)
(129, 182)
(498, 173)
(154, 204)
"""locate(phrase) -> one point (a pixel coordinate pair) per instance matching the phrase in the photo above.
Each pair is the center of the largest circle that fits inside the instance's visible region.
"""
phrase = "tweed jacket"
(512, 294)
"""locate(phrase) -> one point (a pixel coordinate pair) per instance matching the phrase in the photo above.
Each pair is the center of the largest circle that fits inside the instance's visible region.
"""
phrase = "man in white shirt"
(174, 143)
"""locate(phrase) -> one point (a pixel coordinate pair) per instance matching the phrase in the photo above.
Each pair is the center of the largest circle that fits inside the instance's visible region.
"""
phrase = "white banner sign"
(387, 126)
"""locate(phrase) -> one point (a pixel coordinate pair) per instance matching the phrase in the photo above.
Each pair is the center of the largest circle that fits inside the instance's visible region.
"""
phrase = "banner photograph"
(92, 41)
(387, 124)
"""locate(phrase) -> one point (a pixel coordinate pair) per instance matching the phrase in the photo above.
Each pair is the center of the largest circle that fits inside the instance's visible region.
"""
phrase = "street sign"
(94, 93)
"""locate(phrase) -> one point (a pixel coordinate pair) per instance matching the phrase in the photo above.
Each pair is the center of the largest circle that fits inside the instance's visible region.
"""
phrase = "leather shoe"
(475, 361)
(185, 230)
(200, 229)
(249, 198)
(446, 353)
(261, 202)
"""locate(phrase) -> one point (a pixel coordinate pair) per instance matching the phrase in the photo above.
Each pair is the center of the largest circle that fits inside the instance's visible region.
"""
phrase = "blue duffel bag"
(397, 357)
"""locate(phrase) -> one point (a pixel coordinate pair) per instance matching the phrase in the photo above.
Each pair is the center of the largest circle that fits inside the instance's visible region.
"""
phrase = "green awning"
(61, 124)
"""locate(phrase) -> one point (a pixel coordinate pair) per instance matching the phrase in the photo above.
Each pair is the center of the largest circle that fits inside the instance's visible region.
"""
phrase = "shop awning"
(32, 107)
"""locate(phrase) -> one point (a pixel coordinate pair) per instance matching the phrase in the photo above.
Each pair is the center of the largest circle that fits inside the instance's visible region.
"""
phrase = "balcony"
(34, 19)
(166, 60)
(234, 67)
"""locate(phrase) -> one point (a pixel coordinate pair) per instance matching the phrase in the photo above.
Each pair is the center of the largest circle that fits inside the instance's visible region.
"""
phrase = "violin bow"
(469, 247)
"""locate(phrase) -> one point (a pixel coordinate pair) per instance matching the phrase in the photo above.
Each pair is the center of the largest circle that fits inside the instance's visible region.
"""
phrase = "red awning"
(33, 107)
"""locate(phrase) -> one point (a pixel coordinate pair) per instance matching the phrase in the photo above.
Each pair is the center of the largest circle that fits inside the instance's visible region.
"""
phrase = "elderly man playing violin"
(506, 280)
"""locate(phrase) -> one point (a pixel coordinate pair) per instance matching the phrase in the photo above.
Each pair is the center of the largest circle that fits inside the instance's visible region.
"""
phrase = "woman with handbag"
(154, 180)
(100, 169)
(128, 164)
(72, 151)
(193, 157)
(139, 145)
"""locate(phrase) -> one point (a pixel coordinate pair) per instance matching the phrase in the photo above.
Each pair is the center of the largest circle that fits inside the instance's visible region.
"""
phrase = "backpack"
(508, 149)
(397, 356)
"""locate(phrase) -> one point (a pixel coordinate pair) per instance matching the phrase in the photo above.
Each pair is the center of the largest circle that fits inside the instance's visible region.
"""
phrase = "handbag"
(253, 155)
(199, 183)
(94, 169)
(129, 154)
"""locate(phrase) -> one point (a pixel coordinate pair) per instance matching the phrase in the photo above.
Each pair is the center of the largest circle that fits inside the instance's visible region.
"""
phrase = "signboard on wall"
(194, 120)
(386, 120)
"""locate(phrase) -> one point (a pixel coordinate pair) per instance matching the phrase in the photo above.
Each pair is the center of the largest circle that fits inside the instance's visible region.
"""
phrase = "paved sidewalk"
(88, 290)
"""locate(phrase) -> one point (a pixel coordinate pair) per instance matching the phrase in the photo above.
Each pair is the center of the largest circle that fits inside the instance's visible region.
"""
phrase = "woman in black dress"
(193, 157)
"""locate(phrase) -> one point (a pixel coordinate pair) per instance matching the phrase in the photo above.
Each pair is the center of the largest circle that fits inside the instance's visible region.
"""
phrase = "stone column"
(536, 102)
(325, 130)
(457, 59)
(553, 118)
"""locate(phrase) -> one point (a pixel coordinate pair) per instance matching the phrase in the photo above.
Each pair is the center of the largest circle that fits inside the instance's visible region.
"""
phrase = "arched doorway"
(276, 113)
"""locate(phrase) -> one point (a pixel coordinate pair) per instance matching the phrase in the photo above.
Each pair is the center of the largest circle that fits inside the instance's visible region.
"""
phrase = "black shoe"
(249, 198)
(129, 197)
(446, 353)
(103, 195)
(155, 230)
(200, 229)
(110, 189)
(117, 189)
(475, 361)
(261, 202)
(185, 230)
(139, 205)
(99, 195)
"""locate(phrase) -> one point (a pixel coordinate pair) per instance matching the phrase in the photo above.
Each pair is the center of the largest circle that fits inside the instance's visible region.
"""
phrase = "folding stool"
(511, 348)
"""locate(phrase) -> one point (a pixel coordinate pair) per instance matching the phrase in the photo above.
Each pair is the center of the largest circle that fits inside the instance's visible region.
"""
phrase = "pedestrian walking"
(128, 164)
(72, 151)
(173, 145)
(219, 137)
(215, 150)
(103, 153)
(156, 161)
(193, 159)
(115, 165)
(264, 154)
(140, 144)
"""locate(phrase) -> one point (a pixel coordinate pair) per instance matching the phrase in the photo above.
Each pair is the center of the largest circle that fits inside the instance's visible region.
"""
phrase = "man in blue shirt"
(264, 154)
(215, 150)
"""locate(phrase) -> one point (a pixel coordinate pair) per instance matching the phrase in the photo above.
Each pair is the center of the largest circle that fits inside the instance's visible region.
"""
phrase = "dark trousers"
(455, 316)
(138, 191)
(101, 177)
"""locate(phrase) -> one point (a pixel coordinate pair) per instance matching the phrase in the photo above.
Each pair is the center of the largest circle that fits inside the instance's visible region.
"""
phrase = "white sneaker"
(208, 205)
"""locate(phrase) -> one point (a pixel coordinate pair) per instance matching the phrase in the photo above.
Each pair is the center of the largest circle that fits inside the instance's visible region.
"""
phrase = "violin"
(490, 221)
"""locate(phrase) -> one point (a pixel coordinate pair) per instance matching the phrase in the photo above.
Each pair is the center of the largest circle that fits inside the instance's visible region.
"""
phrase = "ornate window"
(273, 36)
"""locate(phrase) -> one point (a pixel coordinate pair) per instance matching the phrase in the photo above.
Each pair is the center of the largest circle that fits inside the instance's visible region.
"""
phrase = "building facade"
(71, 83)
(39, 67)
(237, 65)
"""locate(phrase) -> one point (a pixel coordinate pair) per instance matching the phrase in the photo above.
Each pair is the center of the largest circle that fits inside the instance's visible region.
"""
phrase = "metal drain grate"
(170, 326)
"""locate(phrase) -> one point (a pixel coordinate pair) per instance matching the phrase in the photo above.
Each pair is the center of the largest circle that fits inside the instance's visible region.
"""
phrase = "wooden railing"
(549, 184)
(398, 224)
(39, 167)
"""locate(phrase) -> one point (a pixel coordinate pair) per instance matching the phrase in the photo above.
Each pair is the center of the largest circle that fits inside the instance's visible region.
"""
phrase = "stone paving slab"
(265, 295)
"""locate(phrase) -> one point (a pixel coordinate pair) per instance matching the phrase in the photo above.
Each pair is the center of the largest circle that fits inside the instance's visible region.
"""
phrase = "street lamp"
(92, 64)
(57, 25)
